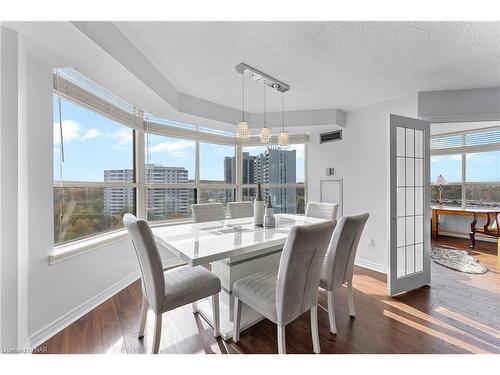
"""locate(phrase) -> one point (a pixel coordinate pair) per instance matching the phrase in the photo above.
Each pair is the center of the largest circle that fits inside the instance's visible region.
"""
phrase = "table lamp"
(440, 180)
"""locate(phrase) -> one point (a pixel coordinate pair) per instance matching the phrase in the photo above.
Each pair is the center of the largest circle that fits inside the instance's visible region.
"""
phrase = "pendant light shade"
(283, 135)
(265, 135)
(243, 125)
(265, 132)
(243, 130)
(283, 139)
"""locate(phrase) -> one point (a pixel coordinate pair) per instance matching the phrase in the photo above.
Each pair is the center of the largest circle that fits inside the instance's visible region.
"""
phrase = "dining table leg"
(472, 233)
(435, 223)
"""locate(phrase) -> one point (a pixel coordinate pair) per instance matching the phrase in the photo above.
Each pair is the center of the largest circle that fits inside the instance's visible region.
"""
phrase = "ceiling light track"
(259, 76)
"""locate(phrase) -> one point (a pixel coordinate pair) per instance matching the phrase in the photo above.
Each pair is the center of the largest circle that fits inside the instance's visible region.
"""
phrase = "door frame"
(415, 280)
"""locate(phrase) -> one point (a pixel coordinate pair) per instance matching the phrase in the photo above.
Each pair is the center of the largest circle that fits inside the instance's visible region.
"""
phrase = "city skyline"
(275, 166)
(272, 166)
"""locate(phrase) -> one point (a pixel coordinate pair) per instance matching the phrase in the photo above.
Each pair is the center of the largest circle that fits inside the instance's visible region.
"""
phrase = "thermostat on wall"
(329, 171)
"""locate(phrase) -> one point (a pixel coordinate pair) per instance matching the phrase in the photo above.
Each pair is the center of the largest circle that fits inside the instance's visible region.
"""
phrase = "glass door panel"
(410, 202)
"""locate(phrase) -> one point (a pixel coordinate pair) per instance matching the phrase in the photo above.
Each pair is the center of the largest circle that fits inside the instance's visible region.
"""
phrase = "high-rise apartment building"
(118, 200)
(248, 173)
(162, 202)
(276, 166)
(273, 166)
(248, 170)
(167, 203)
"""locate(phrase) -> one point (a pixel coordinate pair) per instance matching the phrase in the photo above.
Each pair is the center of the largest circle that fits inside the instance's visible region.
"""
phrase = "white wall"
(460, 105)
(9, 277)
(361, 159)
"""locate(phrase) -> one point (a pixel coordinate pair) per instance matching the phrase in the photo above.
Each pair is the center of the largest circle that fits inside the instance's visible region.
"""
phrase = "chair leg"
(144, 316)
(194, 306)
(350, 299)
(236, 320)
(331, 312)
(157, 334)
(314, 329)
(215, 314)
(281, 340)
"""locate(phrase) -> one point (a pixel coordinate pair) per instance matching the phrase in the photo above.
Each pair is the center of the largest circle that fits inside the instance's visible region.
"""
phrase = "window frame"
(463, 150)
(97, 184)
(143, 124)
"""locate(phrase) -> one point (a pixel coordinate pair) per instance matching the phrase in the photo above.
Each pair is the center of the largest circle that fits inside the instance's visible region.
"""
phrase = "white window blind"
(85, 83)
(469, 141)
(483, 138)
(448, 141)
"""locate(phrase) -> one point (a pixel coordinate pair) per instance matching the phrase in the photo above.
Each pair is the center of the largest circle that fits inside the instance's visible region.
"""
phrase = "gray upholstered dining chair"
(240, 209)
(283, 295)
(338, 265)
(208, 212)
(322, 210)
(163, 291)
(203, 212)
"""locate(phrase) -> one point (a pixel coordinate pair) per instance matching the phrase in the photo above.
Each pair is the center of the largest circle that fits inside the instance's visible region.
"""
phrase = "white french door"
(409, 262)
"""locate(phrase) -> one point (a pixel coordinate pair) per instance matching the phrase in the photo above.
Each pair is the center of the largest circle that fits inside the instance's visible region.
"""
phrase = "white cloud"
(176, 148)
(91, 133)
(71, 131)
(122, 137)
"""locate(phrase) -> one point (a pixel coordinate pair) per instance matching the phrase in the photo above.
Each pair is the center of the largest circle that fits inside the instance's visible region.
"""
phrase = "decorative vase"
(258, 208)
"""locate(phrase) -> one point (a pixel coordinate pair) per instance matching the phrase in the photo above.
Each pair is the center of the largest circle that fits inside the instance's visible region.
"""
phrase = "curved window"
(94, 178)
(117, 159)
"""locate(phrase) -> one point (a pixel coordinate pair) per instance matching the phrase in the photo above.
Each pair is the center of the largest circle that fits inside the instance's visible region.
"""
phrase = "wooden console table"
(490, 215)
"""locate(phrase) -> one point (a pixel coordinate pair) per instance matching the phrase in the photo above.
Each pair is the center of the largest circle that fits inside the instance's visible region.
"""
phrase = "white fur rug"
(458, 260)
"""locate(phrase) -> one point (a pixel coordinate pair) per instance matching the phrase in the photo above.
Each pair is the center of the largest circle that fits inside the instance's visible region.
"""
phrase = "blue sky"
(480, 167)
(94, 143)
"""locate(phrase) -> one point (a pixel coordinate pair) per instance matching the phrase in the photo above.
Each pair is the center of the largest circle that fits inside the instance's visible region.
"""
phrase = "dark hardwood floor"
(458, 313)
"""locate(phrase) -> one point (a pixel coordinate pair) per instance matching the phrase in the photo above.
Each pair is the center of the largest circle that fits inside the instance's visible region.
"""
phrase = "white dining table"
(231, 249)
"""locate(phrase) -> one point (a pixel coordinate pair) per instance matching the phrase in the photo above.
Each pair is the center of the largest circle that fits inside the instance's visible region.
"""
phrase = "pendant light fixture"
(267, 80)
(243, 125)
(265, 132)
(283, 135)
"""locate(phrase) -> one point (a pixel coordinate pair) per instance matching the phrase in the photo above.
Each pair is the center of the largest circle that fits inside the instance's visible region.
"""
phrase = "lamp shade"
(440, 180)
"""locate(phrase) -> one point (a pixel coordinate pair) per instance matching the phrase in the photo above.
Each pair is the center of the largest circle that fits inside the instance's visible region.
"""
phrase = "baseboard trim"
(65, 320)
(371, 265)
(73, 315)
(479, 236)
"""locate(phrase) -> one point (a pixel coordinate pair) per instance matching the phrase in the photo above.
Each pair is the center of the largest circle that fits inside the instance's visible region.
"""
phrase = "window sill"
(76, 248)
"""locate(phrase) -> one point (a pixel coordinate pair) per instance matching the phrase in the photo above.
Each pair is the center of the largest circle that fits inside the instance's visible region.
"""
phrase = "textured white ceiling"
(343, 65)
